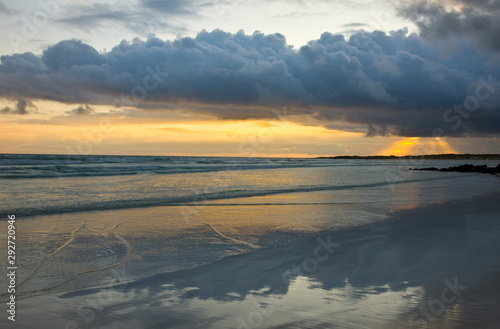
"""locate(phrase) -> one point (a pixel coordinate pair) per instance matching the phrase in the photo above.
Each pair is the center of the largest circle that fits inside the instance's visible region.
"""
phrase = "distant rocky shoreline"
(466, 168)
(449, 156)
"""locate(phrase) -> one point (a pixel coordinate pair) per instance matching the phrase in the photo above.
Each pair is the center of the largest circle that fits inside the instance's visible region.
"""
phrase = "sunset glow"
(419, 146)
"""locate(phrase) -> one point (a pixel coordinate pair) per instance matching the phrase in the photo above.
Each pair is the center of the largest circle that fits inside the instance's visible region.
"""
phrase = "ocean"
(183, 234)
(54, 184)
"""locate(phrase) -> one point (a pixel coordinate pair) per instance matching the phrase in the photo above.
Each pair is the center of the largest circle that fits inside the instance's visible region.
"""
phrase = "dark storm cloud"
(390, 83)
(476, 19)
(22, 107)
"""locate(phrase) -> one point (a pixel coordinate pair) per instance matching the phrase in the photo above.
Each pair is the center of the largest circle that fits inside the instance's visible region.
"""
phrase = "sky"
(236, 78)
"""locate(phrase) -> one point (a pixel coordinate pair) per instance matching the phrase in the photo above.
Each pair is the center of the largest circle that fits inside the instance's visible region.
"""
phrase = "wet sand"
(430, 267)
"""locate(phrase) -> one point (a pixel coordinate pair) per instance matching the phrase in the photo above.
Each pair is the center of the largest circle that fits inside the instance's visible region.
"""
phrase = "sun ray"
(419, 146)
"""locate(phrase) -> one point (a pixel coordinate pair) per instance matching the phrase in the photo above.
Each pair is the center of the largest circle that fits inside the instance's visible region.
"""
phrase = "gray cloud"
(143, 18)
(95, 14)
(22, 107)
(476, 19)
(173, 7)
(81, 110)
(392, 84)
(354, 24)
(4, 10)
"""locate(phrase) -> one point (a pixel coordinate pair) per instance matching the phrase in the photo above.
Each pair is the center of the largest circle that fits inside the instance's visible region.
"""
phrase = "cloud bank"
(478, 20)
(392, 83)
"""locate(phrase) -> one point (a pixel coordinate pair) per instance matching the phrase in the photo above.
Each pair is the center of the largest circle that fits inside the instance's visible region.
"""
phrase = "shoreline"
(418, 157)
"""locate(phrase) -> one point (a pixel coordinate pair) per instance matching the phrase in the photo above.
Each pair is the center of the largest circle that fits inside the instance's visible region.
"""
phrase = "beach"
(292, 244)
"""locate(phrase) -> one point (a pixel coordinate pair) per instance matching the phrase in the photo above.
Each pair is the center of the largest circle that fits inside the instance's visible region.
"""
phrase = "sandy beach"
(431, 267)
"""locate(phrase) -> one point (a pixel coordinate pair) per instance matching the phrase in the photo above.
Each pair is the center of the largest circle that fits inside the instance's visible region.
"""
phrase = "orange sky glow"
(52, 130)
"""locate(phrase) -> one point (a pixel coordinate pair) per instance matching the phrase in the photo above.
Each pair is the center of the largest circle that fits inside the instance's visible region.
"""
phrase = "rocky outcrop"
(466, 168)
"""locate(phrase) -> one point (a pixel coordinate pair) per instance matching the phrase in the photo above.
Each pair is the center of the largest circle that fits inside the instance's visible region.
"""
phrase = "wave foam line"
(26, 294)
(189, 200)
(227, 237)
(40, 262)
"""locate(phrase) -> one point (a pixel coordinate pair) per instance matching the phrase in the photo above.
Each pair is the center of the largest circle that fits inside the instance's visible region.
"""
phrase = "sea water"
(35, 185)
